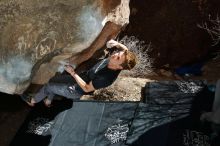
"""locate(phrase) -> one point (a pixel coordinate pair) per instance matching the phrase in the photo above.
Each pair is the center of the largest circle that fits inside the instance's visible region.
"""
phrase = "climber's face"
(117, 59)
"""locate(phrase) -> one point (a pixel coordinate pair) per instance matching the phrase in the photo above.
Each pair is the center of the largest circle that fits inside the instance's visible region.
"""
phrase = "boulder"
(36, 35)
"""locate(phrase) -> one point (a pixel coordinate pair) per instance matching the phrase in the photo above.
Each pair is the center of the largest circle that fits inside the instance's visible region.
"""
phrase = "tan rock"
(34, 32)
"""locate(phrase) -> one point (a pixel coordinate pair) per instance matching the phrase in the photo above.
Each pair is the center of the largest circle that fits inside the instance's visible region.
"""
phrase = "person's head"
(123, 60)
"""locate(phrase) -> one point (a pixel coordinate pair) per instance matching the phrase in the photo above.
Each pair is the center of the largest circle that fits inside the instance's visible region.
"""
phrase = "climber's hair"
(130, 60)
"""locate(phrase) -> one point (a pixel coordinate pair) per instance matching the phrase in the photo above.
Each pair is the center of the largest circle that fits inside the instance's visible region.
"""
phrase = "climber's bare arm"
(113, 43)
(109, 31)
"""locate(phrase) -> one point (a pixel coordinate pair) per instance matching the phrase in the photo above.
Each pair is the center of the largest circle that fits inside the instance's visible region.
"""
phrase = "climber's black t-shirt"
(100, 75)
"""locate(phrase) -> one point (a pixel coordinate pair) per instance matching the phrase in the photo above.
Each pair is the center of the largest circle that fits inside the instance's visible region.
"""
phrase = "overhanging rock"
(35, 35)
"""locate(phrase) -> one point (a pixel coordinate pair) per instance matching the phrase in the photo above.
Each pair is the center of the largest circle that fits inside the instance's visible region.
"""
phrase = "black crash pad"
(85, 123)
(171, 115)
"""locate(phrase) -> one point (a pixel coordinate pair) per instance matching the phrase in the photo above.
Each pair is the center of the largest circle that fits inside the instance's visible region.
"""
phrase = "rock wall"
(36, 32)
(171, 28)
